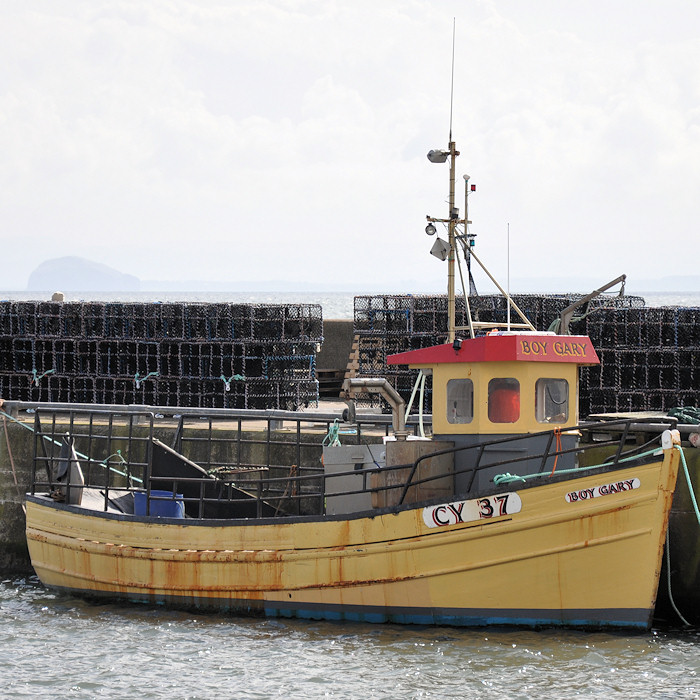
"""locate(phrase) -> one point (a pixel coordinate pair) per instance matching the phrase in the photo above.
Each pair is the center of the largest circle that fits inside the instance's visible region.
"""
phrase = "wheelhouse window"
(552, 400)
(504, 400)
(460, 401)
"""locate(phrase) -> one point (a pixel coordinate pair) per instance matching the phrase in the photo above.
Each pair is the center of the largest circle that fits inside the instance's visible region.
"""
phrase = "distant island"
(74, 274)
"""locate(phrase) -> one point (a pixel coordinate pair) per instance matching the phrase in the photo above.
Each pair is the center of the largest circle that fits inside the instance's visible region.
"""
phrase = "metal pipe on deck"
(379, 385)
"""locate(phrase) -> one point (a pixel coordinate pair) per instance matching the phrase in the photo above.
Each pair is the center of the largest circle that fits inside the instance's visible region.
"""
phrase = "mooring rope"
(690, 487)
(668, 577)
(668, 547)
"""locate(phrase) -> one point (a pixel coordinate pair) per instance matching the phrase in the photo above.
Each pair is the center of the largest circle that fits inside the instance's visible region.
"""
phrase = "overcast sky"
(285, 139)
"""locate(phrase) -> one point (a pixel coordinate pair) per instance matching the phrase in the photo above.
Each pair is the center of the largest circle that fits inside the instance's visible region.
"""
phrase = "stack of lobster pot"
(163, 354)
(650, 356)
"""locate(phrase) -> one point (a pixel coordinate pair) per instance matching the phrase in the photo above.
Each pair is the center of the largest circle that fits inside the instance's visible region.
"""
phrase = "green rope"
(143, 379)
(510, 478)
(233, 377)
(690, 487)
(118, 453)
(685, 414)
(332, 439)
(19, 422)
(105, 463)
(37, 378)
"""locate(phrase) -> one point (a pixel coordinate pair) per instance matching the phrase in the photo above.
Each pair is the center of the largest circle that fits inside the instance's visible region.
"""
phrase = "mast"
(448, 251)
(451, 226)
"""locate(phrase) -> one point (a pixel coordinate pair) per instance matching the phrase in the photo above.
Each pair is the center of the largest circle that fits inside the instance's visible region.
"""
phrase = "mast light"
(436, 156)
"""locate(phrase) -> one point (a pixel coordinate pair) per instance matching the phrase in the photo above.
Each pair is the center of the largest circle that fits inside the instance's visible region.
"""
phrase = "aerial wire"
(452, 81)
(508, 267)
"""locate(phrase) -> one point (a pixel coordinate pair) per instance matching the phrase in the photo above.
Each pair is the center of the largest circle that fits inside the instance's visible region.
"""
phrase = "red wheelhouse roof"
(505, 347)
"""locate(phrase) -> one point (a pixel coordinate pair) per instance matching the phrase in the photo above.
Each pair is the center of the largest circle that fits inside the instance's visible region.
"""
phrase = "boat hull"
(561, 558)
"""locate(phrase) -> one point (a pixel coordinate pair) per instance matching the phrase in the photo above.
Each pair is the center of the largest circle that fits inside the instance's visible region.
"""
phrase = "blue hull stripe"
(627, 618)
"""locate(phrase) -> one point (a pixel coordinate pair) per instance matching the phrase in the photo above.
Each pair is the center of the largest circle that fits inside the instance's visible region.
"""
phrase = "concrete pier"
(16, 455)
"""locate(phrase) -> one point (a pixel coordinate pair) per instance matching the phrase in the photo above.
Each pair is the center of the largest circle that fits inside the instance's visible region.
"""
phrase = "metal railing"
(268, 464)
(273, 454)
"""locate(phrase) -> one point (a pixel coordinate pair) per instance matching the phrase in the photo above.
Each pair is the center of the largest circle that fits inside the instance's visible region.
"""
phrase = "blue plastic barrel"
(171, 508)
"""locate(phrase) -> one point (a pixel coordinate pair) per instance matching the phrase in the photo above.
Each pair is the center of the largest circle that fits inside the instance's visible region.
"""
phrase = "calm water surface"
(60, 646)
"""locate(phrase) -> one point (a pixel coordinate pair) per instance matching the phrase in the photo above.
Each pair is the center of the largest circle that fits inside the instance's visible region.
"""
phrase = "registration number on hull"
(468, 511)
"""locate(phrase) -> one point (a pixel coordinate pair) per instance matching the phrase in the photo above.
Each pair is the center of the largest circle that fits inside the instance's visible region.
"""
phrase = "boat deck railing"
(228, 466)
(273, 454)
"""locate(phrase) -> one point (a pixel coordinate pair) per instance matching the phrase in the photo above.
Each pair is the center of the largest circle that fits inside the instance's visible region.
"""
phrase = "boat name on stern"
(604, 490)
(468, 511)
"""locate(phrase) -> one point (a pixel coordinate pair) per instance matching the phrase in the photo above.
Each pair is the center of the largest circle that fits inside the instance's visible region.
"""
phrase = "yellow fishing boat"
(507, 514)
(581, 551)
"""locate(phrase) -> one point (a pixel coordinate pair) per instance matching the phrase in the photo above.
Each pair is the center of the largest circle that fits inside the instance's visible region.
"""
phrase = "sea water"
(55, 645)
(335, 305)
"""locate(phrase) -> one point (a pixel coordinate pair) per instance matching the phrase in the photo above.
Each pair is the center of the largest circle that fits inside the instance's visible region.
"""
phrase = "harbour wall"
(15, 477)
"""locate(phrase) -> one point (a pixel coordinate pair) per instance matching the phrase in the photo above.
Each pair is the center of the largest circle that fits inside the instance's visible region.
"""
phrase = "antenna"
(508, 280)
(452, 80)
